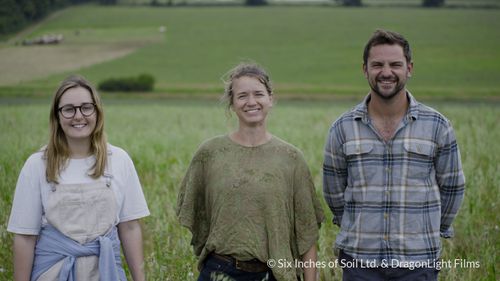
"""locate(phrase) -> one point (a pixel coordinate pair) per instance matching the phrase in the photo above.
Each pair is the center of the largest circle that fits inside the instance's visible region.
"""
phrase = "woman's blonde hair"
(57, 151)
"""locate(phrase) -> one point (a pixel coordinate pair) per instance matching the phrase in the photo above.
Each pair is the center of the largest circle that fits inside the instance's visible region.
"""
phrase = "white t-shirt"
(32, 189)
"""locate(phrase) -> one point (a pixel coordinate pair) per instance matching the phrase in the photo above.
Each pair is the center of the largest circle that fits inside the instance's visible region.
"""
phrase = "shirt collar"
(361, 110)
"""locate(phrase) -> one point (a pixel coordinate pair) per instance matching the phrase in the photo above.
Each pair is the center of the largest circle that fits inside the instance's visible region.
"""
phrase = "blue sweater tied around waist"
(53, 246)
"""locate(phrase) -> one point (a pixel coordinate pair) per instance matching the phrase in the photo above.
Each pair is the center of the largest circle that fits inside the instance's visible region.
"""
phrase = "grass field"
(163, 148)
(308, 50)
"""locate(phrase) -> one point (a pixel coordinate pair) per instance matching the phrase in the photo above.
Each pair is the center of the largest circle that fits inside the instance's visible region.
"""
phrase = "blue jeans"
(386, 274)
(219, 270)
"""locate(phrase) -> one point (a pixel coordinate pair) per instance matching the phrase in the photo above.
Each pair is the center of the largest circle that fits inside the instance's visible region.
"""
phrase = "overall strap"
(108, 175)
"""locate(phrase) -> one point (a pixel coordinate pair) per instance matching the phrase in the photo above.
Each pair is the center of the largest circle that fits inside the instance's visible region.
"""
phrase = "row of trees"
(425, 3)
(15, 14)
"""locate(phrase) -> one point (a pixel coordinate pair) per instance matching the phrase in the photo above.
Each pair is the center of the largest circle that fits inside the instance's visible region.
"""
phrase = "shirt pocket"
(420, 159)
(361, 163)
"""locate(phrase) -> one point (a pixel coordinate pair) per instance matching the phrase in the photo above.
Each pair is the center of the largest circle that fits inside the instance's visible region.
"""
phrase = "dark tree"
(351, 3)
(42, 8)
(255, 2)
(108, 2)
(11, 16)
(15, 14)
(433, 3)
(28, 9)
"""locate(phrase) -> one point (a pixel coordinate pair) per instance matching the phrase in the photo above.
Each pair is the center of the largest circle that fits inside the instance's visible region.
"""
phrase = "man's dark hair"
(381, 37)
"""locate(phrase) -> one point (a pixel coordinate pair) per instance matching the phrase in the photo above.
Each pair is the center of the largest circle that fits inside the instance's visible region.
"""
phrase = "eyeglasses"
(68, 111)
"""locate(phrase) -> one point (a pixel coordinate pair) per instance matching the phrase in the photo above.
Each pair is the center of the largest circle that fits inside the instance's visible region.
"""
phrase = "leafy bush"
(143, 83)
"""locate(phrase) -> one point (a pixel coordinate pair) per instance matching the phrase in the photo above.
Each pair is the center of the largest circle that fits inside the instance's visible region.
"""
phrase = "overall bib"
(82, 212)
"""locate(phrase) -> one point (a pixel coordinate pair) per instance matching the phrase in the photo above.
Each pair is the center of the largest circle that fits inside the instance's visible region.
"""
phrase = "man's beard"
(376, 89)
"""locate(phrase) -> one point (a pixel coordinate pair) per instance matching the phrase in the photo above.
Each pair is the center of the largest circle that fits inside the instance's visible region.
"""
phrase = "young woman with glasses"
(248, 197)
(77, 198)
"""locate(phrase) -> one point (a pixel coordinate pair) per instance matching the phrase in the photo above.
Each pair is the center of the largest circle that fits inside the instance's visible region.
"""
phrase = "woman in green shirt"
(248, 197)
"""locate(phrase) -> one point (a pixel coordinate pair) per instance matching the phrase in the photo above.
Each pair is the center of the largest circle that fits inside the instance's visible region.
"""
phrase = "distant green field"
(308, 50)
(162, 149)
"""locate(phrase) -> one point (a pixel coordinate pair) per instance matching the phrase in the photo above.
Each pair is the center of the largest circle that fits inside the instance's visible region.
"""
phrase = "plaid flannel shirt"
(393, 200)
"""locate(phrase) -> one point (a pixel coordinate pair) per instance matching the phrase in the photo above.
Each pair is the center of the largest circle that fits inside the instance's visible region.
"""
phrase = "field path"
(26, 63)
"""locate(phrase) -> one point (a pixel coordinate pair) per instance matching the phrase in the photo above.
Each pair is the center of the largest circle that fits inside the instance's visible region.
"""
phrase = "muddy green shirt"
(250, 202)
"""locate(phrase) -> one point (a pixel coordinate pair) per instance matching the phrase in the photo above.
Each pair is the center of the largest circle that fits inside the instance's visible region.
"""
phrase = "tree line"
(16, 14)
(425, 3)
